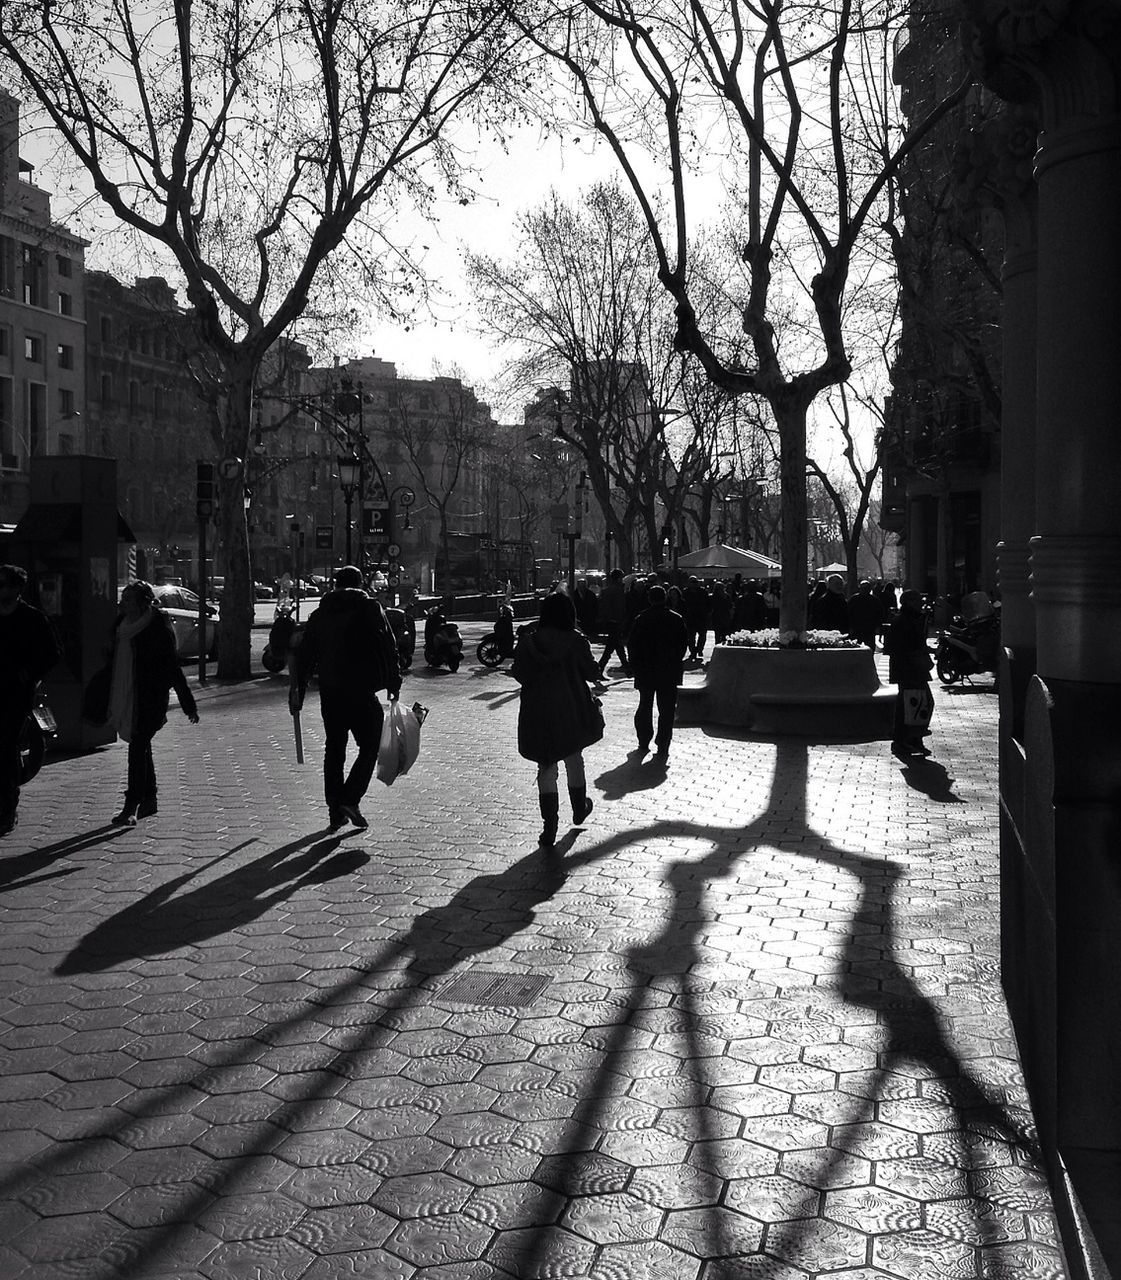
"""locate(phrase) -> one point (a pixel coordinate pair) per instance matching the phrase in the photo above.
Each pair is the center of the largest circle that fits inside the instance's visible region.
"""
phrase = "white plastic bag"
(400, 743)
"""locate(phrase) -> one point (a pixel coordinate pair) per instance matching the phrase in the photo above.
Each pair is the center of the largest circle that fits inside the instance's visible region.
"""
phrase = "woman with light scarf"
(144, 669)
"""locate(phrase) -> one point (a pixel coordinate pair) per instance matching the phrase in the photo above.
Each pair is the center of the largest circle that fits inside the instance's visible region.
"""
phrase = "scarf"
(122, 691)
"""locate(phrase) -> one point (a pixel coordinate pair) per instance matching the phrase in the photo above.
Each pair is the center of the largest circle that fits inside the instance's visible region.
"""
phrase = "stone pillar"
(1066, 54)
(996, 168)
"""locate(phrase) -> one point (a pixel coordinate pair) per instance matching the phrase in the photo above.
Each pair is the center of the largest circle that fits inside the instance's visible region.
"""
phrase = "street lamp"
(350, 475)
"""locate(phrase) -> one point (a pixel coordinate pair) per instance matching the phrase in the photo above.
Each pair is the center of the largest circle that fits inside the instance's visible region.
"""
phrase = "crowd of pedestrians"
(653, 627)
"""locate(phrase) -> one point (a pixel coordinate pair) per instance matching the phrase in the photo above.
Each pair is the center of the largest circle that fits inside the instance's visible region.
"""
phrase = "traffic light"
(204, 490)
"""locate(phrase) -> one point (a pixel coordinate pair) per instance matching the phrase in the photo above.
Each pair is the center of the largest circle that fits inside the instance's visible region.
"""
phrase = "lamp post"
(350, 472)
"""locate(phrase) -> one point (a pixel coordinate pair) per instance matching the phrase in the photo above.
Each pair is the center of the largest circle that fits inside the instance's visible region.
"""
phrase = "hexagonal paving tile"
(712, 1232)
(439, 1241)
(612, 1218)
(873, 1209)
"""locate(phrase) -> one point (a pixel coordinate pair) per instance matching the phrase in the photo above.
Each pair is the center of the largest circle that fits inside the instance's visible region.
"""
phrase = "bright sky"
(512, 183)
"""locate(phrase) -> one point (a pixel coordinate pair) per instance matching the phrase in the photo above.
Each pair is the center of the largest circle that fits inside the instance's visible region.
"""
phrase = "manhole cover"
(494, 989)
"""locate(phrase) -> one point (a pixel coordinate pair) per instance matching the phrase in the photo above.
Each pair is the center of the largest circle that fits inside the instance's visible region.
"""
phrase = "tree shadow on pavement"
(911, 1031)
(166, 919)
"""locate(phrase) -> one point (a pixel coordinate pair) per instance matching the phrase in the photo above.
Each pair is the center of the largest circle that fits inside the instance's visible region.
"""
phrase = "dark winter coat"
(750, 611)
(349, 642)
(155, 672)
(659, 639)
(830, 612)
(909, 661)
(28, 650)
(557, 716)
(866, 616)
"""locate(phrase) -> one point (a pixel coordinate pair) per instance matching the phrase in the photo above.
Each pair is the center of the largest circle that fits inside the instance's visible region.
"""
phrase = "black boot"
(550, 814)
(581, 805)
(127, 815)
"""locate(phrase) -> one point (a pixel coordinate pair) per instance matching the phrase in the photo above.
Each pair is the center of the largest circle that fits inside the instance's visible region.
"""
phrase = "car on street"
(182, 607)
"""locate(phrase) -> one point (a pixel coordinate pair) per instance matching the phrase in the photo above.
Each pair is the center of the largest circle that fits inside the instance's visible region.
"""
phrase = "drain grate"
(495, 990)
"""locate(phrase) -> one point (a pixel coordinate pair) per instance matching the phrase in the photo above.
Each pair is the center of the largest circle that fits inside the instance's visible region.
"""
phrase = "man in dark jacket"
(349, 642)
(658, 642)
(866, 615)
(612, 618)
(28, 650)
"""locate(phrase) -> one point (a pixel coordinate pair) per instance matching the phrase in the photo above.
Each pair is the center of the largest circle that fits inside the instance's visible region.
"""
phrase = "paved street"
(746, 1024)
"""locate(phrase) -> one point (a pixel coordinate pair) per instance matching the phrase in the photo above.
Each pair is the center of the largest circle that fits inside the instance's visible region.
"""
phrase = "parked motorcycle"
(443, 645)
(403, 625)
(968, 647)
(499, 644)
(284, 635)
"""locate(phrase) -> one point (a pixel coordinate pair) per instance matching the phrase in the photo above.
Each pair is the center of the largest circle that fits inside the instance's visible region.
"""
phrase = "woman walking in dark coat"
(144, 669)
(557, 717)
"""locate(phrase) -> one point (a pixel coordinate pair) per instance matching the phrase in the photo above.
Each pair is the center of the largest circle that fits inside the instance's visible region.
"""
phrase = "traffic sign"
(375, 519)
(324, 537)
(394, 580)
(394, 550)
(229, 468)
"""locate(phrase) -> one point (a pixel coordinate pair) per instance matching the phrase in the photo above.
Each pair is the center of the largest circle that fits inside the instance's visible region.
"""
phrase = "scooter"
(499, 644)
(284, 635)
(403, 625)
(968, 649)
(443, 645)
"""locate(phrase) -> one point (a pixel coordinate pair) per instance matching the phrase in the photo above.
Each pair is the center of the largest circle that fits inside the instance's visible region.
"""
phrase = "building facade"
(941, 469)
(42, 325)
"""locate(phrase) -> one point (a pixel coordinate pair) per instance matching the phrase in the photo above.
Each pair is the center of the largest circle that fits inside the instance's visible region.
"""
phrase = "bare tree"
(249, 141)
(581, 301)
(794, 105)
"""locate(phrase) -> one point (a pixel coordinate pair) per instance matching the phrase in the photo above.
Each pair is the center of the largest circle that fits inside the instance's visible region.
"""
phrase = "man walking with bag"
(658, 642)
(349, 643)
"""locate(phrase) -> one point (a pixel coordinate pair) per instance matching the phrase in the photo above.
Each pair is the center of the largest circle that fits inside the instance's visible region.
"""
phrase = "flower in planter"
(772, 638)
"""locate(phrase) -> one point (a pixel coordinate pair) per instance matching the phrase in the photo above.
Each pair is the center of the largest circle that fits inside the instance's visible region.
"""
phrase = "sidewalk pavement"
(746, 1024)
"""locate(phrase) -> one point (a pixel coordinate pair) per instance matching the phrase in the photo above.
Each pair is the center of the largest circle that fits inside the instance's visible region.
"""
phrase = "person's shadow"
(166, 919)
(931, 778)
(634, 774)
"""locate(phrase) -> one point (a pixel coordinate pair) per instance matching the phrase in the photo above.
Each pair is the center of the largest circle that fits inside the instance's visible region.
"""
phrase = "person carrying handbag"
(909, 667)
(557, 715)
(349, 642)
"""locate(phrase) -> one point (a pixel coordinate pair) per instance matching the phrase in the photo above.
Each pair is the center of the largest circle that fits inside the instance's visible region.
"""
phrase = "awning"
(722, 559)
(60, 522)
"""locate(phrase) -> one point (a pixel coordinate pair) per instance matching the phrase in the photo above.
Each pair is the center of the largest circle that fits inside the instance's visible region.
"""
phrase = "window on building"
(7, 267)
(7, 423)
(65, 304)
(65, 356)
(134, 395)
(157, 400)
(35, 418)
(33, 348)
(106, 388)
(106, 329)
(65, 266)
(5, 341)
(65, 402)
(34, 265)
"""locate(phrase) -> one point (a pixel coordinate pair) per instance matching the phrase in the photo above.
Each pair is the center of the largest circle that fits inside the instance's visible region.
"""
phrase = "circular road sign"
(394, 550)
(394, 580)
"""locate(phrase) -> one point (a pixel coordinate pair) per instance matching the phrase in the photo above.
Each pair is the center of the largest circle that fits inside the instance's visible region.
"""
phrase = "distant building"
(942, 431)
(144, 408)
(42, 325)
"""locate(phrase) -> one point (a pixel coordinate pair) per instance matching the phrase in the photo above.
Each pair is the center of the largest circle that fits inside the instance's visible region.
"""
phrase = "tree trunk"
(791, 421)
(235, 626)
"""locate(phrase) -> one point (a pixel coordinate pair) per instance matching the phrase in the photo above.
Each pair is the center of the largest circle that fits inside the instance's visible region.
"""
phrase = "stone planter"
(831, 693)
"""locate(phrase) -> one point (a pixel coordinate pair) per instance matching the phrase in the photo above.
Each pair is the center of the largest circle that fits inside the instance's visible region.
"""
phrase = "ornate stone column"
(1067, 55)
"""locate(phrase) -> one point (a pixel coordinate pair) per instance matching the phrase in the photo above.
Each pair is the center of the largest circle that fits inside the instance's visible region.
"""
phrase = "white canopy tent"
(720, 561)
